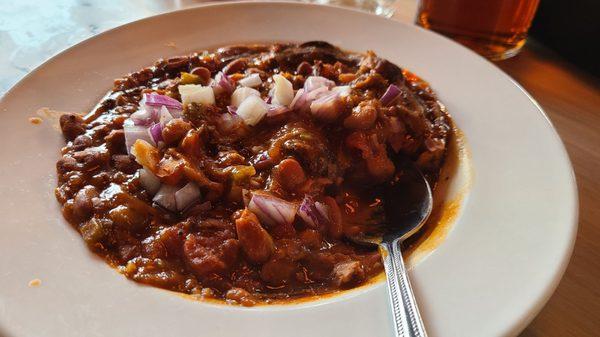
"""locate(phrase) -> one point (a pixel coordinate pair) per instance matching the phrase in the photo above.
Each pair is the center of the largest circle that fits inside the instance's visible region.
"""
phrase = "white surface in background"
(32, 31)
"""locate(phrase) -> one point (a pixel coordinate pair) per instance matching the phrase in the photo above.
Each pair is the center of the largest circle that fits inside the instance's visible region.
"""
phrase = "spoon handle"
(407, 319)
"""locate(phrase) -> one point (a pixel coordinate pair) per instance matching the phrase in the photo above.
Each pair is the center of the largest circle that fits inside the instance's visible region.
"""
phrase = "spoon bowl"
(408, 202)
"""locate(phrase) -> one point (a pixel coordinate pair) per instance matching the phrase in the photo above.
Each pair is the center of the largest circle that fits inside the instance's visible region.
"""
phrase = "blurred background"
(558, 66)
(32, 31)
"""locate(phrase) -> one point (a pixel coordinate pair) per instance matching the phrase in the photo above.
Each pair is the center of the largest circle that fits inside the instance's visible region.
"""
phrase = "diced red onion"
(232, 110)
(327, 107)
(251, 81)
(165, 116)
(175, 112)
(142, 117)
(154, 99)
(156, 133)
(317, 93)
(154, 110)
(149, 181)
(297, 98)
(314, 82)
(186, 196)
(222, 83)
(299, 102)
(135, 132)
(324, 210)
(272, 211)
(276, 110)
(303, 99)
(165, 197)
(314, 214)
(390, 96)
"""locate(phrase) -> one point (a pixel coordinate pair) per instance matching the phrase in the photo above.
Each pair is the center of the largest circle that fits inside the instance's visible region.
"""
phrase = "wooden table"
(571, 98)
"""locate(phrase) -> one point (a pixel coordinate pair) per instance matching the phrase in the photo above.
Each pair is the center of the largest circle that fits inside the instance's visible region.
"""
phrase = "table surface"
(31, 31)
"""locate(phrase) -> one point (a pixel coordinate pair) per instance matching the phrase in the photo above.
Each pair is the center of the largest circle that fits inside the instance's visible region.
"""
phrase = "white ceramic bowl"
(492, 274)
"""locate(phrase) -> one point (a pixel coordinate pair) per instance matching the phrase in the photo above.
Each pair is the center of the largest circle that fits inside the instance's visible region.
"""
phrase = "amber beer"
(496, 29)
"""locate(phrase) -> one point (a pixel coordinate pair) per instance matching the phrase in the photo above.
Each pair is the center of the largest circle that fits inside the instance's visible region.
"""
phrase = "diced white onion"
(343, 90)
(251, 81)
(240, 94)
(195, 93)
(149, 181)
(252, 110)
(283, 91)
(134, 132)
(142, 117)
(186, 196)
(166, 197)
(315, 82)
(165, 115)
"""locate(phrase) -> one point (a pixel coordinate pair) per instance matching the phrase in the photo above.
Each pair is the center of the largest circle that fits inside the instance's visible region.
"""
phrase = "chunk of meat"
(192, 144)
(175, 130)
(72, 125)
(379, 165)
(309, 148)
(347, 274)
(206, 255)
(374, 154)
(370, 81)
(363, 116)
(311, 238)
(170, 170)
(146, 155)
(278, 272)
(291, 57)
(255, 241)
(387, 69)
(115, 142)
(320, 266)
(167, 243)
(125, 163)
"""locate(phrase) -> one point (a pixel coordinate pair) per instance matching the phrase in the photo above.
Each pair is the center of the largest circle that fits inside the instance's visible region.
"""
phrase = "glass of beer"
(496, 29)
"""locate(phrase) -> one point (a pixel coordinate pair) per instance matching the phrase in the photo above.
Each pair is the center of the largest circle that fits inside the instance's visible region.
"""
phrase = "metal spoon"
(408, 203)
